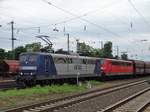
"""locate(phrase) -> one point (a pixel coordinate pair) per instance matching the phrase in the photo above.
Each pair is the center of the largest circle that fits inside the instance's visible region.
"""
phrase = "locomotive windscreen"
(28, 58)
(23, 58)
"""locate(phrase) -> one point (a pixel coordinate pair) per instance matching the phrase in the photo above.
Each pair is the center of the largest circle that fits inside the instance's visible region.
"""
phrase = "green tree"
(47, 48)
(97, 53)
(116, 57)
(2, 53)
(9, 55)
(107, 50)
(124, 56)
(61, 51)
(86, 50)
(19, 50)
(35, 47)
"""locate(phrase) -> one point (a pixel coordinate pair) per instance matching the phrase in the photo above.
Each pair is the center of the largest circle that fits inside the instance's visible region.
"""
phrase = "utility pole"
(78, 46)
(68, 42)
(101, 42)
(117, 51)
(12, 38)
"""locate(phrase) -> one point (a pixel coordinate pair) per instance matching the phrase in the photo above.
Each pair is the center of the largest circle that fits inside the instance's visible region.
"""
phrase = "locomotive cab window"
(101, 61)
(32, 58)
(59, 60)
(69, 60)
(115, 63)
(23, 58)
(84, 61)
(91, 61)
(77, 61)
(121, 63)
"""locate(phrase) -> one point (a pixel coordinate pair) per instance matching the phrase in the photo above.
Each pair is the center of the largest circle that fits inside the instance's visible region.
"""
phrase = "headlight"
(21, 73)
(31, 73)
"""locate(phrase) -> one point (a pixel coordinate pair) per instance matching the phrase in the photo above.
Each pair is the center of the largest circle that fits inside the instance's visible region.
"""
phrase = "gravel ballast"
(103, 101)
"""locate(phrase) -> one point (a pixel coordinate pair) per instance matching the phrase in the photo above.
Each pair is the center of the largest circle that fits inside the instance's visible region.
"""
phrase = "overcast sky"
(123, 22)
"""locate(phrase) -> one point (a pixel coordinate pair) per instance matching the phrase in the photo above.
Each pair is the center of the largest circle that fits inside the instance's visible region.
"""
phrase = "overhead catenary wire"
(74, 15)
(86, 14)
(71, 19)
(139, 13)
(68, 20)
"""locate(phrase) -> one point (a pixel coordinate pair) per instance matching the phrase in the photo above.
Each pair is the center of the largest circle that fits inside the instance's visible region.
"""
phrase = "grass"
(65, 88)
(95, 83)
(15, 97)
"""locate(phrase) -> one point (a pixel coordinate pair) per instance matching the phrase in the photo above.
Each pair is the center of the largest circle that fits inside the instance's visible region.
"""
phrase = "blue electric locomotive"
(42, 67)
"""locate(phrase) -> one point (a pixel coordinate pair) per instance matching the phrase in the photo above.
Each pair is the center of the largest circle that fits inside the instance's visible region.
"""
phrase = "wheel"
(103, 76)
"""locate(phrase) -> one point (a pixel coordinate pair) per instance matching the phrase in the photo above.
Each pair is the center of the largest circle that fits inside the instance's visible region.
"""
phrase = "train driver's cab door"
(97, 69)
(46, 65)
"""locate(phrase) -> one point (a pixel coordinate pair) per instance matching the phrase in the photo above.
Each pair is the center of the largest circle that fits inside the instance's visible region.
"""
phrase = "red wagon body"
(13, 66)
(117, 67)
(147, 67)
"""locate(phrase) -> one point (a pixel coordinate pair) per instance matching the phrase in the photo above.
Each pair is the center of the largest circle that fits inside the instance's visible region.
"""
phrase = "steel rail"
(143, 107)
(124, 101)
(7, 85)
(73, 99)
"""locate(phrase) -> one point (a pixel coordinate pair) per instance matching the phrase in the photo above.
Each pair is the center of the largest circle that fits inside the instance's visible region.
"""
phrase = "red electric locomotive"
(112, 67)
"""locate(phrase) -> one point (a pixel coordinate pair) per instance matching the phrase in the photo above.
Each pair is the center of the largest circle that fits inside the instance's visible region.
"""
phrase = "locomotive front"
(28, 68)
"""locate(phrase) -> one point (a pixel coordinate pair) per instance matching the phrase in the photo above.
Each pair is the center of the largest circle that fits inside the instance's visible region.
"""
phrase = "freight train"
(8, 68)
(44, 67)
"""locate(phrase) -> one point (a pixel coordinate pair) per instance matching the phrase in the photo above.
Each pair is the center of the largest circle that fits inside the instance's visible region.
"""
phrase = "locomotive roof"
(60, 55)
(118, 60)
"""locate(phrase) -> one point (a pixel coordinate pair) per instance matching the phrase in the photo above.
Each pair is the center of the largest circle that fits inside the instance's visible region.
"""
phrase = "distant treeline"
(83, 50)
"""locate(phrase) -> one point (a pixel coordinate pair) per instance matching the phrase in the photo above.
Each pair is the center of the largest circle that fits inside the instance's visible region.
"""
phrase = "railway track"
(5, 85)
(10, 84)
(70, 100)
(135, 103)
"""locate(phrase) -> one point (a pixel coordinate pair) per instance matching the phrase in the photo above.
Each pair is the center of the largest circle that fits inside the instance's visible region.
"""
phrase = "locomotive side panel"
(56, 66)
(117, 67)
(72, 65)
